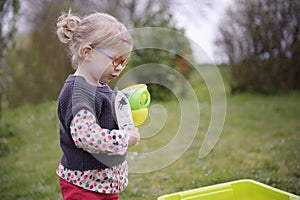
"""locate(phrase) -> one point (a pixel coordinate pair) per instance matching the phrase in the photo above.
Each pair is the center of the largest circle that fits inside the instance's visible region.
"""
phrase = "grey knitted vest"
(75, 95)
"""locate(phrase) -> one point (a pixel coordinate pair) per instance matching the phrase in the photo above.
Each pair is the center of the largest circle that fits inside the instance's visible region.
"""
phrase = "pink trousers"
(72, 192)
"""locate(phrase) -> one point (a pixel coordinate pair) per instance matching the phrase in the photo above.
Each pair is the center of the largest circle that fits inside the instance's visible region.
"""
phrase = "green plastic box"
(235, 190)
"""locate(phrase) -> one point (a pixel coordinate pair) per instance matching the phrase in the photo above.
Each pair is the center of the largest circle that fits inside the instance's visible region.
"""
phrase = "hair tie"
(122, 34)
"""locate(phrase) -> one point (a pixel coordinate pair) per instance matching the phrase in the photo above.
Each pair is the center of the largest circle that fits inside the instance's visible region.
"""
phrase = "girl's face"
(107, 64)
(117, 61)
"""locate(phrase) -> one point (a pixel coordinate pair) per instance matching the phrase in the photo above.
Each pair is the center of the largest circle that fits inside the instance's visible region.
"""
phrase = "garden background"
(259, 41)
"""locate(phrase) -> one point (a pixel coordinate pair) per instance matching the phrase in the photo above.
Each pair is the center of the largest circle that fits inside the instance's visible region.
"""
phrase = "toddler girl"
(93, 164)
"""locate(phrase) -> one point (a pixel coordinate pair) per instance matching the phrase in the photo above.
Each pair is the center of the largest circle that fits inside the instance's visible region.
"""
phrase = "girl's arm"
(89, 136)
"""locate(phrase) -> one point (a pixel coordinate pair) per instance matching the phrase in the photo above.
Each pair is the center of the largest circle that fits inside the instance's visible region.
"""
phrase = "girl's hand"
(134, 135)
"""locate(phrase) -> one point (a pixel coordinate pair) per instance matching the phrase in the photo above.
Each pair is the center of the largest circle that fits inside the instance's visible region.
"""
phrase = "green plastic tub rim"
(245, 189)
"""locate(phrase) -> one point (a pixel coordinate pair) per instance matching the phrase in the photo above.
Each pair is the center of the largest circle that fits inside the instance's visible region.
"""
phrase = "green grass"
(31, 157)
(260, 141)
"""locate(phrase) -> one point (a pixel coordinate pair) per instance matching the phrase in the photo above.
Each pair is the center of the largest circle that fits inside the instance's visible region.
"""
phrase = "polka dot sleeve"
(89, 136)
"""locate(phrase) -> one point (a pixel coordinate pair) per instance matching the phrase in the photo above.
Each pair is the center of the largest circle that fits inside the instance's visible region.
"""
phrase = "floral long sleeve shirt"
(89, 136)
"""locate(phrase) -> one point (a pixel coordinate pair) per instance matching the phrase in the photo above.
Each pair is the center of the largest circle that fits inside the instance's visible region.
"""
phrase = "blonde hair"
(97, 29)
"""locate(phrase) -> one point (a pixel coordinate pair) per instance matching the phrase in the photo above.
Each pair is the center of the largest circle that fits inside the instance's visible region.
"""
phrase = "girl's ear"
(86, 52)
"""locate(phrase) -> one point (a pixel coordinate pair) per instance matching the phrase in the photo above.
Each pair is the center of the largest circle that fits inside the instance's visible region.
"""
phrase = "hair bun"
(66, 26)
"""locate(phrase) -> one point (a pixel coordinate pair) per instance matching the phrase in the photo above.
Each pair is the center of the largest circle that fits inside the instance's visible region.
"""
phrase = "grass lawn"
(260, 141)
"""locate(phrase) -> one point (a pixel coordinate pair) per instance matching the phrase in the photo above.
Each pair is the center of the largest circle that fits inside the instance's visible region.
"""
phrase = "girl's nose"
(119, 67)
